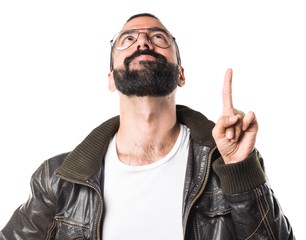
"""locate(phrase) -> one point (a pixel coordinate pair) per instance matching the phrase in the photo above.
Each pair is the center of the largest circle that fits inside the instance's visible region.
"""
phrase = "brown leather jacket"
(219, 201)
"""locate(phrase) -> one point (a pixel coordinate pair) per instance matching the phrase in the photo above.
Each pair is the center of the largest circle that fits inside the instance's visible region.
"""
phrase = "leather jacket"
(219, 201)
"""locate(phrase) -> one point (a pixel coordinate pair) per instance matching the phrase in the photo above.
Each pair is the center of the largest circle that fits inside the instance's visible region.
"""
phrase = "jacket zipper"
(99, 215)
(199, 193)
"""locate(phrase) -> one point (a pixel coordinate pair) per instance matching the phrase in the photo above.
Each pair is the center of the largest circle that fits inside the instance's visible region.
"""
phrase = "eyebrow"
(151, 29)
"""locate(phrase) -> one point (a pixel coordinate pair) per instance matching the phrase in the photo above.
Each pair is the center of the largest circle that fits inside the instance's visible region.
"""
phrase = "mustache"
(160, 58)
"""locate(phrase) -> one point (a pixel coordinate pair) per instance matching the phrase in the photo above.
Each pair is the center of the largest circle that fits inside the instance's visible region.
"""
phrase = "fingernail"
(229, 135)
(232, 118)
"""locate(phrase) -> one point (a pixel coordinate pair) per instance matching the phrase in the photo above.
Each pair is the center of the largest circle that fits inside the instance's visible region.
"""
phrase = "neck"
(148, 129)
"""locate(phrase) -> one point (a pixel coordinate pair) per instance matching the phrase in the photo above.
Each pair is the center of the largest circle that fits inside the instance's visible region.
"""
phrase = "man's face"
(144, 69)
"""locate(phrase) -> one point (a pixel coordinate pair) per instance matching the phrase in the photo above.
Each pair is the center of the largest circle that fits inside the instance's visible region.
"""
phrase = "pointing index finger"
(227, 91)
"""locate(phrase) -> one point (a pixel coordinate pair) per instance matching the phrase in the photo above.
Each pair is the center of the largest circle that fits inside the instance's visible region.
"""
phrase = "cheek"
(118, 59)
(170, 54)
(120, 56)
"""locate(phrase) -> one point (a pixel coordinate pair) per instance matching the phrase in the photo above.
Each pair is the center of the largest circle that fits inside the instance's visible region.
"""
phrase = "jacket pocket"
(212, 204)
(212, 217)
(71, 230)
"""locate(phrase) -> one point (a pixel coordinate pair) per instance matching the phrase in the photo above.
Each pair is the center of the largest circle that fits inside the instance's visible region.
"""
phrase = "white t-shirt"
(145, 202)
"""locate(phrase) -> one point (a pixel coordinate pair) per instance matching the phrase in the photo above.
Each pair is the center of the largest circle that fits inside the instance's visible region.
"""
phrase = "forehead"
(143, 22)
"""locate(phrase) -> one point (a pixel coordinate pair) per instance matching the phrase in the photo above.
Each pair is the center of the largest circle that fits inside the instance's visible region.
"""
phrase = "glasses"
(156, 36)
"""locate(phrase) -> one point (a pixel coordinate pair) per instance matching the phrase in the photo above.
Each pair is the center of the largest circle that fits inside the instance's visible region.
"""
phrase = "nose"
(143, 41)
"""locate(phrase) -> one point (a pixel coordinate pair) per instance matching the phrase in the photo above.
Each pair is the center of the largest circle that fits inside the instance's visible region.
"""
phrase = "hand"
(234, 133)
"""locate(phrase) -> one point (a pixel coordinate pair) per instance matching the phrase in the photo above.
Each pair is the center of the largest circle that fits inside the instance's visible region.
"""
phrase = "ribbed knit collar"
(86, 159)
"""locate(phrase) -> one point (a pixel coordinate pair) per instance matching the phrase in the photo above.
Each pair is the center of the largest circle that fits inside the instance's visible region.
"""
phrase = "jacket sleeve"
(255, 210)
(33, 219)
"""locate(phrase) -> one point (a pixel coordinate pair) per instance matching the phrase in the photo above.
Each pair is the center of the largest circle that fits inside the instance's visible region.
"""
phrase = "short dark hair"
(142, 15)
(152, 16)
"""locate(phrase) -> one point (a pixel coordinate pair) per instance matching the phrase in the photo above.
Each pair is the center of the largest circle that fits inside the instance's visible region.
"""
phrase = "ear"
(181, 80)
(111, 82)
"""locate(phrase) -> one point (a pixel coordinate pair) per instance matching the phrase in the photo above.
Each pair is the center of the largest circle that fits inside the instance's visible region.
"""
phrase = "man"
(158, 170)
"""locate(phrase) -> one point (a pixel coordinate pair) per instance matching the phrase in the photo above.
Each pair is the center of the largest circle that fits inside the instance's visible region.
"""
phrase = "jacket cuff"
(242, 176)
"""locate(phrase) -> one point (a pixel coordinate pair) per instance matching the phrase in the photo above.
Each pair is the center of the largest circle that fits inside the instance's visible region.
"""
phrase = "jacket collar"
(86, 159)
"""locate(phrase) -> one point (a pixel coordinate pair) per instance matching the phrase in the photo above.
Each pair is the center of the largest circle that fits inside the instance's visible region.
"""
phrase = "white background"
(54, 61)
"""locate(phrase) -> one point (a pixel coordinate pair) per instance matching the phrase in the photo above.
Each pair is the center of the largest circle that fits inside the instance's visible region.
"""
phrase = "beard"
(151, 78)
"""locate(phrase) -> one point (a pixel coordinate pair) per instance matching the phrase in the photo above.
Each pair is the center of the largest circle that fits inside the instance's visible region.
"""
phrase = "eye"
(126, 39)
(158, 37)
